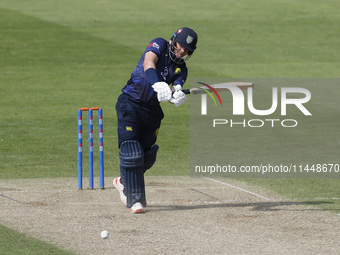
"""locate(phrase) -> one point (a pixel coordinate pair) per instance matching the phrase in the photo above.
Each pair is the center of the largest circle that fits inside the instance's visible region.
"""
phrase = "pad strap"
(150, 157)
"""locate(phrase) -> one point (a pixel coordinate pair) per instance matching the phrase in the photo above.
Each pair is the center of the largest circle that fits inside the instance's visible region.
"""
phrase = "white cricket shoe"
(120, 187)
(137, 208)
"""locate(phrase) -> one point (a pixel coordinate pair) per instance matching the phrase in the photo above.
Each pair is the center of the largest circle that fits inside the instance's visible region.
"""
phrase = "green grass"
(14, 243)
(57, 56)
(319, 192)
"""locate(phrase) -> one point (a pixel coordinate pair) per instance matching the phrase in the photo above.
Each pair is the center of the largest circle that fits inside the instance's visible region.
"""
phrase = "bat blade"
(219, 87)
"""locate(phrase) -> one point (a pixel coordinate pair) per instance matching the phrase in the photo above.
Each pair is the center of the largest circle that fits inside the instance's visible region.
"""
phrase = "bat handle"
(186, 91)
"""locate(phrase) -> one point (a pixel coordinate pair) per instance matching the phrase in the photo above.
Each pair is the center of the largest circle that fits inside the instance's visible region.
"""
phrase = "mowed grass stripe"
(47, 71)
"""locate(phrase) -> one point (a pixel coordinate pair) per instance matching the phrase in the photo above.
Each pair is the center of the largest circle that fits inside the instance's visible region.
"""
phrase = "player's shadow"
(255, 206)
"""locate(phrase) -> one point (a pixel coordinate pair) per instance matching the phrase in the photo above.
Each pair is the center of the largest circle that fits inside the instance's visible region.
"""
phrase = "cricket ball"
(104, 234)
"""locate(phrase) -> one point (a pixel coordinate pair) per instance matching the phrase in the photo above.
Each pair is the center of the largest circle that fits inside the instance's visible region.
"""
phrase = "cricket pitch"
(184, 216)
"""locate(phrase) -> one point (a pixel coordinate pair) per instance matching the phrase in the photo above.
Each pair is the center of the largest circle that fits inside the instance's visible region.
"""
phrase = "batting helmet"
(187, 38)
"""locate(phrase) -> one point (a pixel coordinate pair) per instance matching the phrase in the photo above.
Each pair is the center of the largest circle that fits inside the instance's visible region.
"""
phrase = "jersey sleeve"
(156, 46)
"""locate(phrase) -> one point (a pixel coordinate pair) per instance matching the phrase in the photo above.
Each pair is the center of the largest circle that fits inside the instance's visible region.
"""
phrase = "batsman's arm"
(149, 66)
(150, 60)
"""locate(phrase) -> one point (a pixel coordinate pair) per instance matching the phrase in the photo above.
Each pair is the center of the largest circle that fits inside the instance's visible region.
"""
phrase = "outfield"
(56, 56)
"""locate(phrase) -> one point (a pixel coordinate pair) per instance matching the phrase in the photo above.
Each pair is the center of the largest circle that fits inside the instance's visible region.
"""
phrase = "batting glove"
(178, 98)
(163, 91)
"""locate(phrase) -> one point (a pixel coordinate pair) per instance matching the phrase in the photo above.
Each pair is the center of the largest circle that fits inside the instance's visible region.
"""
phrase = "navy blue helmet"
(187, 38)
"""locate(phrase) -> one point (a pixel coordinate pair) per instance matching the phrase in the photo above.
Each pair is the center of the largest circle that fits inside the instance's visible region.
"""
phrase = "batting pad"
(150, 157)
(132, 172)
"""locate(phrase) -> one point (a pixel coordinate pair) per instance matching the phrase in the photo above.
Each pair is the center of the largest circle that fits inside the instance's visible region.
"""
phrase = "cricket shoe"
(137, 208)
(120, 187)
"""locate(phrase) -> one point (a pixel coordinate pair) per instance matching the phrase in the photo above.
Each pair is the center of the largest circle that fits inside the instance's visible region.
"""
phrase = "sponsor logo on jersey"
(156, 132)
(154, 45)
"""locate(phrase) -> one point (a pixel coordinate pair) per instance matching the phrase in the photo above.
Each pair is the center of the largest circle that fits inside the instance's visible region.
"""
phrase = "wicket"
(80, 146)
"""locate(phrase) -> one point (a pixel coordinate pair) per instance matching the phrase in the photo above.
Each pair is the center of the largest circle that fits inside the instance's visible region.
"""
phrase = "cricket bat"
(217, 87)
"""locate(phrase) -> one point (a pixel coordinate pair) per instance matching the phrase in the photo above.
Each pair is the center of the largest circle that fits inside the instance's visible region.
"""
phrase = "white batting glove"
(176, 88)
(178, 98)
(163, 91)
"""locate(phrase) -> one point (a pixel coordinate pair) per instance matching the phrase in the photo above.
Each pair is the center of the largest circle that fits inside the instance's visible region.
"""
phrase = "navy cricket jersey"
(139, 88)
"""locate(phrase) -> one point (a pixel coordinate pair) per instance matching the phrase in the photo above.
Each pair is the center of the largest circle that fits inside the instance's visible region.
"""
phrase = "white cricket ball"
(104, 234)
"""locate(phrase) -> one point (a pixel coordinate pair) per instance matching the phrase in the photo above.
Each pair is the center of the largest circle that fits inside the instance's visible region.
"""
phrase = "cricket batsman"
(139, 112)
